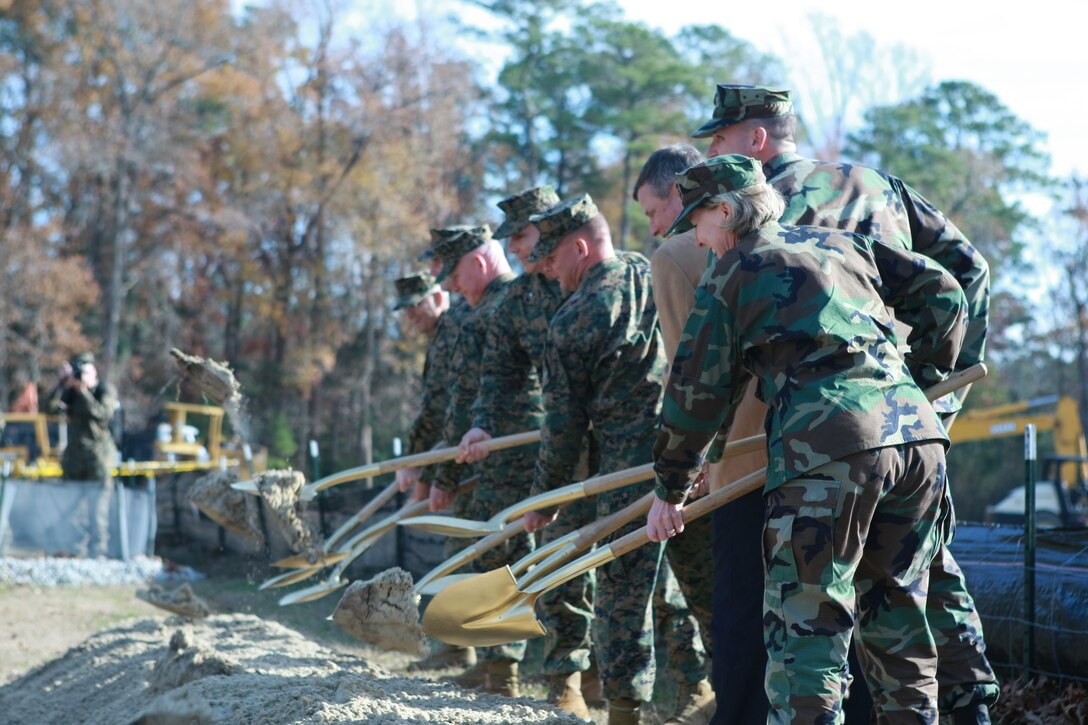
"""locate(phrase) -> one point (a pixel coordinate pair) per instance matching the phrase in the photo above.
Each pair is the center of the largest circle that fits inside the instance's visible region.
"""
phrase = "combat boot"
(565, 692)
(474, 678)
(974, 714)
(445, 657)
(502, 678)
(695, 705)
(622, 711)
(591, 687)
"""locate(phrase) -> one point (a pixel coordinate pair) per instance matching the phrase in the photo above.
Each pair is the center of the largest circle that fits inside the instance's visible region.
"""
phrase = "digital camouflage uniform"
(865, 201)
(91, 453)
(602, 367)
(854, 497)
(504, 476)
(510, 401)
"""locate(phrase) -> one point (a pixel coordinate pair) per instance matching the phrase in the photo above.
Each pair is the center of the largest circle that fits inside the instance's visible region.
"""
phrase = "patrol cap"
(437, 234)
(412, 290)
(559, 221)
(714, 176)
(736, 103)
(519, 207)
(456, 242)
(84, 358)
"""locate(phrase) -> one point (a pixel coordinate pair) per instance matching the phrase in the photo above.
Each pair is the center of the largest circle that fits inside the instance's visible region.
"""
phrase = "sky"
(1033, 56)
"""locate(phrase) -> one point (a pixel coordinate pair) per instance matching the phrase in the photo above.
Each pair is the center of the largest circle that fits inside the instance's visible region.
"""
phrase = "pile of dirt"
(182, 601)
(280, 489)
(214, 379)
(233, 510)
(239, 668)
(384, 611)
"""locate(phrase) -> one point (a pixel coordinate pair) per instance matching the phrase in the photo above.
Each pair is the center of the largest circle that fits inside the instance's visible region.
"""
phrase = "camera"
(77, 369)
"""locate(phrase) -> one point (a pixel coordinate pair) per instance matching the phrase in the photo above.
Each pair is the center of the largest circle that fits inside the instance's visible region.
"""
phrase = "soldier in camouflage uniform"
(89, 405)
(603, 364)
(759, 122)
(854, 497)
(511, 401)
(474, 265)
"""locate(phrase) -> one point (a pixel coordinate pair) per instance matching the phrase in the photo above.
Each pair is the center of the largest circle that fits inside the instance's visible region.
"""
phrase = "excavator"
(1061, 499)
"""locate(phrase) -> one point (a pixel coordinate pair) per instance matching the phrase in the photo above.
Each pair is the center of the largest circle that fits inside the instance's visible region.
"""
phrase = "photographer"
(89, 405)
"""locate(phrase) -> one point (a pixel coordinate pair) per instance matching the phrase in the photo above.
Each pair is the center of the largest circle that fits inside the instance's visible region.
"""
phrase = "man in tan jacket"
(676, 269)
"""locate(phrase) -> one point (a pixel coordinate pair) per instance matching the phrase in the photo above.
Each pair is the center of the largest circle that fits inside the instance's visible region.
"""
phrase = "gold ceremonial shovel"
(328, 557)
(489, 609)
(452, 526)
(395, 464)
(357, 545)
(546, 558)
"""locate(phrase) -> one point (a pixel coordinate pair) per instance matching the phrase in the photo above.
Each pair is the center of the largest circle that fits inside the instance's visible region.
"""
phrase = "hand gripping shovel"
(395, 464)
(489, 609)
(452, 526)
(356, 546)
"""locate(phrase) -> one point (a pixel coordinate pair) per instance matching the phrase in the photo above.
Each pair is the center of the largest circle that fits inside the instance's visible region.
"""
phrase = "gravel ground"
(51, 572)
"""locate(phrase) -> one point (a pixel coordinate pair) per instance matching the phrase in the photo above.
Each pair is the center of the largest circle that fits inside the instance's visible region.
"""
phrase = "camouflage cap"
(559, 221)
(412, 290)
(83, 358)
(456, 242)
(519, 207)
(709, 179)
(438, 234)
(733, 104)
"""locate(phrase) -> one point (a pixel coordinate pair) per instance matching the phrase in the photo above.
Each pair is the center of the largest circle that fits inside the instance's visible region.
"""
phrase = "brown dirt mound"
(233, 510)
(214, 379)
(182, 601)
(384, 611)
(280, 490)
(250, 671)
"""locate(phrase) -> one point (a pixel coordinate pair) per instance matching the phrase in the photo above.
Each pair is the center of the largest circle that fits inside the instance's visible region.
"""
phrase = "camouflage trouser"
(964, 675)
(853, 540)
(623, 628)
(567, 611)
(505, 478)
(678, 628)
(689, 555)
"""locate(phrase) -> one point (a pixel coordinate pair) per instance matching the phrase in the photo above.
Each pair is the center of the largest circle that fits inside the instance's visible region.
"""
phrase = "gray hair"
(753, 207)
(661, 168)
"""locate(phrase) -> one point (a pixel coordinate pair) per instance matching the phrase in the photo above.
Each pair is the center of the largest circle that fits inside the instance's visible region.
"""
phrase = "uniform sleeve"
(84, 403)
(464, 388)
(568, 388)
(673, 296)
(426, 430)
(702, 393)
(934, 236)
(928, 298)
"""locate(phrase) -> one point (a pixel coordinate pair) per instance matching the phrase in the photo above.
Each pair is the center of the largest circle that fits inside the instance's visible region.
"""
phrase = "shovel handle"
(470, 553)
(362, 515)
(408, 510)
(415, 460)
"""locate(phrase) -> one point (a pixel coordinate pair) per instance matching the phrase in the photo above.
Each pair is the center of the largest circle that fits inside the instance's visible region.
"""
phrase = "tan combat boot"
(622, 711)
(502, 678)
(565, 692)
(445, 657)
(591, 687)
(474, 678)
(695, 705)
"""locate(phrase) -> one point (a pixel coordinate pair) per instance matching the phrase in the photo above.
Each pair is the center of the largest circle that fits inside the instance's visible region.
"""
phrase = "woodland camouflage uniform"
(854, 498)
(866, 201)
(603, 366)
(504, 476)
(91, 452)
(510, 401)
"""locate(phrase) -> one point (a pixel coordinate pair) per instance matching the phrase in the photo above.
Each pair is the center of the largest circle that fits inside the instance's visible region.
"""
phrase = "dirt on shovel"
(214, 379)
(384, 611)
(233, 510)
(280, 489)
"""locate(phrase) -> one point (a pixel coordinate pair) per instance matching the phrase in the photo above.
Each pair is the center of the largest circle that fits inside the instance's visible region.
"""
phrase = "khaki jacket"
(676, 268)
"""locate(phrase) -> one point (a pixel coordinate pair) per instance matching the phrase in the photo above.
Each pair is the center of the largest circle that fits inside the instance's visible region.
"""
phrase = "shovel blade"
(479, 611)
(451, 526)
(247, 487)
(299, 561)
